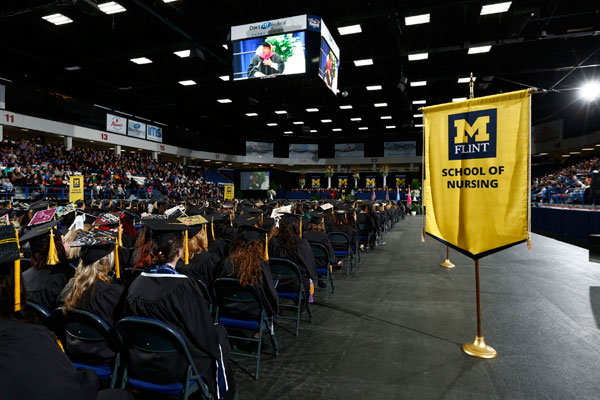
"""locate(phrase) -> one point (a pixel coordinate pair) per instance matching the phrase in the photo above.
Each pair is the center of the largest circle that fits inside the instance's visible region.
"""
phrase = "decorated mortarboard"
(175, 212)
(148, 217)
(227, 205)
(42, 217)
(106, 219)
(278, 212)
(61, 211)
(193, 220)
(10, 252)
(95, 245)
(326, 206)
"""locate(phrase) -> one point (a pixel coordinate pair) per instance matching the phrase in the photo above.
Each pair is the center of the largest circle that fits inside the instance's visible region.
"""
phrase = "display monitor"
(328, 66)
(258, 180)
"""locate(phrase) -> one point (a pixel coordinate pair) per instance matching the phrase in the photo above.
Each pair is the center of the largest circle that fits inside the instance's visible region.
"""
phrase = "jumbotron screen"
(258, 180)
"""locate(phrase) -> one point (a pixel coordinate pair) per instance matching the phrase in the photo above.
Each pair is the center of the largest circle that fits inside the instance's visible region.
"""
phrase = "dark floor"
(394, 329)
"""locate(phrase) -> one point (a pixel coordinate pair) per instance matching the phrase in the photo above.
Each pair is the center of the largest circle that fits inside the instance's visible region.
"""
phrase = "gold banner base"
(478, 348)
(447, 264)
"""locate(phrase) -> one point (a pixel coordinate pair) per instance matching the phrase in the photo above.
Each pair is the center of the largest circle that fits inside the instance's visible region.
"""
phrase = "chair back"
(151, 336)
(206, 293)
(42, 313)
(339, 238)
(230, 289)
(282, 267)
(320, 252)
(85, 326)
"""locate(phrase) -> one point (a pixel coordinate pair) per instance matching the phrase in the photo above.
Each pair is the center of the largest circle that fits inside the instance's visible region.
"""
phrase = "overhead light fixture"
(189, 82)
(356, 119)
(58, 19)
(418, 115)
(390, 126)
(312, 110)
(418, 125)
(466, 79)
(337, 129)
(287, 132)
(252, 114)
(590, 91)
(226, 47)
(363, 63)
(349, 30)
(141, 60)
(73, 68)
(374, 87)
(326, 121)
(545, 154)
(346, 107)
(419, 101)
(272, 124)
(112, 7)
(224, 101)
(566, 155)
(574, 152)
(182, 53)
(386, 117)
(380, 104)
(280, 112)
(313, 131)
(588, 149)
(418, 56)
(479, 49)
(298, 123)
(224, 78)
(417, 19)
(168, 1)
(363, 128)
(454, 100)
(495, 8)
(418, 83)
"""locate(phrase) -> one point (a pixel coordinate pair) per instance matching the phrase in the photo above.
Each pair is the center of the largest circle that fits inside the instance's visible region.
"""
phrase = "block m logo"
(342, 181)
(472, 134)
(370, 182)
(316, 182)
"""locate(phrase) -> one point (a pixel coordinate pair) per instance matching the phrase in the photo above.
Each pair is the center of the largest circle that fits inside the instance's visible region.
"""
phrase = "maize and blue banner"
(315, 182)
(370, 181)
(476, 187)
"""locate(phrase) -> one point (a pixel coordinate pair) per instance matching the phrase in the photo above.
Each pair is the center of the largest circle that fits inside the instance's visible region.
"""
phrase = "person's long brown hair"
(86, 277)
(246, 262)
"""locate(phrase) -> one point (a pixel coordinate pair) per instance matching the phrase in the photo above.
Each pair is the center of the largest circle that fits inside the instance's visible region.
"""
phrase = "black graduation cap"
(165, 230)
(195, 210)
(95, 245)
(41, 204)
(38, 231)
(246, 220)
(316, 217)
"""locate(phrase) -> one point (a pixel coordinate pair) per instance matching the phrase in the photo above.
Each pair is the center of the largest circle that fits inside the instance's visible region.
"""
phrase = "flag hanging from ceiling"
(477, 166)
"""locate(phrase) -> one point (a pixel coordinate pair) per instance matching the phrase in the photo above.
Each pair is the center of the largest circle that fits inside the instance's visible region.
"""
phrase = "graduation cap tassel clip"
(186, 249)
(52, 254)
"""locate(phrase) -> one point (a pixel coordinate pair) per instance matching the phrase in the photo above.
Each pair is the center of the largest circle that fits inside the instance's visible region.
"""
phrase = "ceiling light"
(189, 82)
(417, 19)
(544, 154)
(337, 129)
(356, 119)
(223, 101)
(58, 19)
(574, 152)
(251, 114)
(418, 125)
(374, 87)
(347, 107)
(206, 160)
(168, 1)
(588, 149)
(280, 112)
(566, 155)
(479, 49)
(418, 115)
(418, 83)
(390, 126)
(141, 60)
(182, 53)
(288, 132)
(313, 131)
(325, 121)
(454, 100)
(386, 117)
(418, 56)
(419, 101)
(363, 63)
(271, 124)
(73, 68)
(590, 91)
(495, 8)
(363, 128)
(350, 29)
(380, 104)
(112, 7)
(298, 122)
(312, 109)
(466, 79)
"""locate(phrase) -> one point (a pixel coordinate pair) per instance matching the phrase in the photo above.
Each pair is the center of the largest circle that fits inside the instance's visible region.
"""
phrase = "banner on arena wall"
(477, 172)
(2, 97)
(229, 192)
(154, 133)
(342, 180)
(116, 124)
(75, 188)
(315, 182)
(399, 149)
(136, 129)
(370, 181)
(400, 180)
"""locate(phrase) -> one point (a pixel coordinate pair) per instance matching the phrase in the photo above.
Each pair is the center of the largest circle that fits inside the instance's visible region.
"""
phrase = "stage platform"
(569, 224)
(394, 329)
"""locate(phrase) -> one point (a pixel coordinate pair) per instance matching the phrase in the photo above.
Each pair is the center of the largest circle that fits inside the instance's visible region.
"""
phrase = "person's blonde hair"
(198, 243)
(320, 227)
(86, 277)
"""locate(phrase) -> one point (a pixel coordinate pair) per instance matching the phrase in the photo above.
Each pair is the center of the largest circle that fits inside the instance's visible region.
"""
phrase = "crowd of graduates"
(159, 262)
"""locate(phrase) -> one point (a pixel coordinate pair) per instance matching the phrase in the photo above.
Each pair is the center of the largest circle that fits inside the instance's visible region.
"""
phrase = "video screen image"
(328, 66)
(258, 180)
(269, 56)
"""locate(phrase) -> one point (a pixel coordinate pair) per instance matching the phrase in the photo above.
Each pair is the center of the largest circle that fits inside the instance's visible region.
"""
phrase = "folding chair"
(364, 239)
(152, 336)
(90, 328)
(282, 268)
(206, 293)
(229, 290)
(341, 240)
(320, 251)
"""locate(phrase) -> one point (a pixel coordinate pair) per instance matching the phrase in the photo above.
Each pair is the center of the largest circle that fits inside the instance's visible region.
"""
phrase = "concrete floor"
(394, 328)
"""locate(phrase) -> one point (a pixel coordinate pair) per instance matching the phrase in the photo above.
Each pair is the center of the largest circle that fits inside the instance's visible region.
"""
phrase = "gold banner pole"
(478, 347)
(447, 263)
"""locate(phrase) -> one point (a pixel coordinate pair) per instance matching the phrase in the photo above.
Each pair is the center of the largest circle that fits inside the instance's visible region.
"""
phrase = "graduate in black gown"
(202, 264)
(344, 222)
(94, 290)
(164, 294)
(315, 233)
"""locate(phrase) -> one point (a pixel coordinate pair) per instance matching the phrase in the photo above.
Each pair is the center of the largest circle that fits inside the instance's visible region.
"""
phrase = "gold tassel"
(117, 262)
(266, 247)
(231, 220)
(120, 236)
(212, 228)
(300, 227)
(186, 250)
(528, 241)
(10, 204)
(52, 255)
(17, 267)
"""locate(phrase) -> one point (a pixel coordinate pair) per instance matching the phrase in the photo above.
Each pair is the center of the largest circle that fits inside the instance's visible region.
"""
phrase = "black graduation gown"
(177, 300)
(219, 247)
(106, 301)
(43, 286)
(323, 239)
(32, 366)
(303, 257)
(265, 288)
(364, 218)
(205, 266)
(349, 231)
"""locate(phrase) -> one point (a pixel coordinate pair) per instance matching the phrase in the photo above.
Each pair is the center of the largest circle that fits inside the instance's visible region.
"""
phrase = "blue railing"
(60, 193)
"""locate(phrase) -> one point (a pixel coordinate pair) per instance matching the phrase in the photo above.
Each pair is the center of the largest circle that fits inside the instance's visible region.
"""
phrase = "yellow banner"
(476, 186)
(229, 189)
(75, 188)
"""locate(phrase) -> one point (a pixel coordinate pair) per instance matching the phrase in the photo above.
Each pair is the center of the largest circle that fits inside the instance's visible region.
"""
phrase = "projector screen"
(328, 66)
(258, 180)
(269, 56)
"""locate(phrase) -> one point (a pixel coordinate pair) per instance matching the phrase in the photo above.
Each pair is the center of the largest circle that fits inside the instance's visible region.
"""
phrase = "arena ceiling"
(71, 71)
